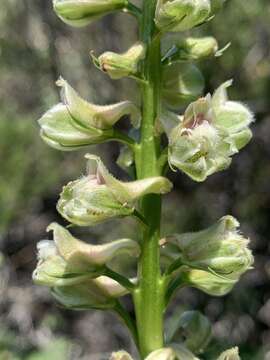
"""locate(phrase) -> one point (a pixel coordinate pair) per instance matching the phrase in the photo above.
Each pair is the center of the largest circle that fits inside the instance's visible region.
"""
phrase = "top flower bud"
(120, 65)
(181, 15)
(82, 12)
(211, 131)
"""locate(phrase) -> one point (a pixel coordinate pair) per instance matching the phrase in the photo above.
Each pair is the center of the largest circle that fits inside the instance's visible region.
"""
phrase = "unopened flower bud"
(120, 355)
(197, 48)
(181, 15)
(182, 83)
(67, 260)
(162, 354)
(232, 354)
(82, 12)
(99, 293)
(192, 329)
(120, 65)
(220, 248)
(211, 131)
(75, 123)
(100, 196)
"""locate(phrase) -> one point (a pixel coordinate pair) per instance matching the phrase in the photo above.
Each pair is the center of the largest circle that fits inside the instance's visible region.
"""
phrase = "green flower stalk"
(200, 142)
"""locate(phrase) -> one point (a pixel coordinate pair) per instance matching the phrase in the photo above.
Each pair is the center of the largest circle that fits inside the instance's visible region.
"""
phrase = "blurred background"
(35, 48)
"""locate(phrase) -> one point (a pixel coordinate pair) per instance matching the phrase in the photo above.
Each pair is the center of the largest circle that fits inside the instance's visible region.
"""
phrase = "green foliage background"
(35, 48)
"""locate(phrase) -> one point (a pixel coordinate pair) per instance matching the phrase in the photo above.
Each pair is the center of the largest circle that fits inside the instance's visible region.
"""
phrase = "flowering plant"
(200, 142)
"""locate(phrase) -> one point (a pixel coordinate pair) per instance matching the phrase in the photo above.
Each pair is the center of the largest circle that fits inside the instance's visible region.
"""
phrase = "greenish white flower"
(76, 123)
(191, 328)
(182, 83)
(99, 196)
(83, 12)
(232, 354)
(219, 248)
(181, 15)
(121, 65)
(211, 131)
(67, 260)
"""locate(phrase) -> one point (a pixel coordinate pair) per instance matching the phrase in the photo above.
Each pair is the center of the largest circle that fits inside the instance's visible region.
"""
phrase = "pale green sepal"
(182, 83)
(82, 12)
(98, 116)
(53, 270)
(182, 353)
(162, 354)
(232, 354)
(98, 293)
(121, 65)
(181, 15)
(59, 130)
(211, 284)
(125, 160)
(120, 355)
(84, 255)
(191, 328)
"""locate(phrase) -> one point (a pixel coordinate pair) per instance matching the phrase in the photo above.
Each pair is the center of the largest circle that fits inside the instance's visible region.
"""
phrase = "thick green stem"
(149, 296)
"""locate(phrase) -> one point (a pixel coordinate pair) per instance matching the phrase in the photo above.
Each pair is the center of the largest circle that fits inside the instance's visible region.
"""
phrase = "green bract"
(210, 132)
(182, 83)
(231, 354)
(181, 15)
(76, 123)
(82, 12)
(67, 260)
(120, 65)
(99, 196)
(220, 248)
(191, 328)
